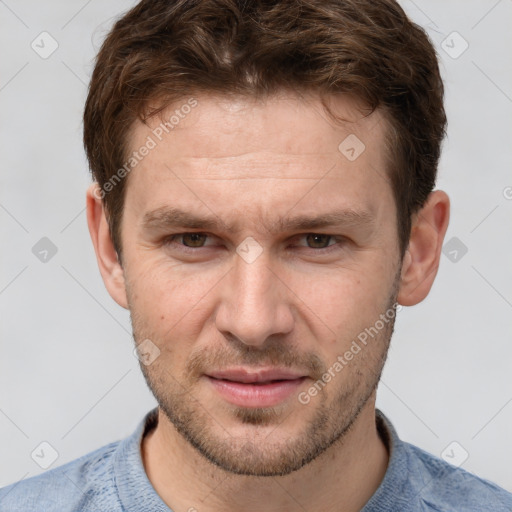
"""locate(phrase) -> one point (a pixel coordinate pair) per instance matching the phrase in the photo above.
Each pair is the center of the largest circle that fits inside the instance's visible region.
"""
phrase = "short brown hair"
(166, 50)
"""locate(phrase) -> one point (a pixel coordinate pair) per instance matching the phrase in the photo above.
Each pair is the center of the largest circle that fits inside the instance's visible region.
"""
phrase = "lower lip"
(256, 395)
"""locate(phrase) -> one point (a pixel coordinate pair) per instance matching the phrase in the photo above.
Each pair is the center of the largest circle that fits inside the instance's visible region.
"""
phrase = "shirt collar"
(136, 490)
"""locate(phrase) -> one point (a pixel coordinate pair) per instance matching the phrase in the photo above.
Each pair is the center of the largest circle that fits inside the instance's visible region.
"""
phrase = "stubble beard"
(257, 453)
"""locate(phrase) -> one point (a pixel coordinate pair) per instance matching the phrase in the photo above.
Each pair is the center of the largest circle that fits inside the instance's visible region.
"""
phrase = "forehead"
(227, 126)
(253, 152)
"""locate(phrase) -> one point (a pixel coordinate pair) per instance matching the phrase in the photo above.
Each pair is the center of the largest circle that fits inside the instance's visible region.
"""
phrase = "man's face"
(226, 310)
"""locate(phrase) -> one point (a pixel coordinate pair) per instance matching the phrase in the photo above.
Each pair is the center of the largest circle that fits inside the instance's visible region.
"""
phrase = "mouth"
(264, 387)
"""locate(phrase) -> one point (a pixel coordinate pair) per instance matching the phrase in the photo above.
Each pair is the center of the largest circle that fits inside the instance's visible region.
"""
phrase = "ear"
(110, 268)
(421, 260)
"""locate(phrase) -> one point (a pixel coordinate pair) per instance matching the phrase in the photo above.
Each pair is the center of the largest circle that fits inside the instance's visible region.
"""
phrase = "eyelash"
(170, 240)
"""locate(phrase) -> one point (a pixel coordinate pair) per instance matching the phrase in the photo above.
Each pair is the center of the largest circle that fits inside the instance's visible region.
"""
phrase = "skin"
(297, 305)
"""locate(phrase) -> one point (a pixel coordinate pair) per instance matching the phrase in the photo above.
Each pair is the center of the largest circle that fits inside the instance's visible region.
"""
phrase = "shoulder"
(417, 480)
(86, 483)
(441, 486)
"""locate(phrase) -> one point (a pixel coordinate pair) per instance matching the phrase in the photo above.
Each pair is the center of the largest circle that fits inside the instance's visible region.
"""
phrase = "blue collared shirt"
(113, 479)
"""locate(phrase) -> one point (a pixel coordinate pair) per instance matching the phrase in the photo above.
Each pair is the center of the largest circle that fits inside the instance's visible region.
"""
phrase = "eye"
(188, 240)
(193, 239)
(191, 242)
(318, 241)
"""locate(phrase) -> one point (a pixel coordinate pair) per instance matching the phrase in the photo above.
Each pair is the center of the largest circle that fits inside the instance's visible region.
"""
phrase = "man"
(263, 204)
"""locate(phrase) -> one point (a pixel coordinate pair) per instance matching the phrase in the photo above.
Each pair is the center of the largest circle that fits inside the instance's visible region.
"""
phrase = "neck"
(344, 477)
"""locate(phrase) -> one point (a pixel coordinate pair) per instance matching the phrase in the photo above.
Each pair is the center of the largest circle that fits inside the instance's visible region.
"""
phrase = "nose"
(255, 303)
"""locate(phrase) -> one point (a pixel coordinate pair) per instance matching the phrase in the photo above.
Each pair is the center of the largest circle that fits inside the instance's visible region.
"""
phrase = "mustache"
(206, 359)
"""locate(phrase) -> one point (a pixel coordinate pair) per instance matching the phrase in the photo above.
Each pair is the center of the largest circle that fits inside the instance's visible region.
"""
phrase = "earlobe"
(421, 260)
(108, 263)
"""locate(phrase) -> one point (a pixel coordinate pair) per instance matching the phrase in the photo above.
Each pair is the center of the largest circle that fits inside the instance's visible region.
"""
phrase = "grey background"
(67, 372)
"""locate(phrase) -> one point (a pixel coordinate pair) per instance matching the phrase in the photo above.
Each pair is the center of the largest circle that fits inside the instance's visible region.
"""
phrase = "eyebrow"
(171, 218)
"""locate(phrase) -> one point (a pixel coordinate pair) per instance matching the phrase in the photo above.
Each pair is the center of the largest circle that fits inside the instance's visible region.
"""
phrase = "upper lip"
(248, 376)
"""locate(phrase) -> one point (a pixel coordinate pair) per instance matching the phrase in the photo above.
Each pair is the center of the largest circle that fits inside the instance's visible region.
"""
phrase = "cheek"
(171, 311)
(170, 301)
(341, 299)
